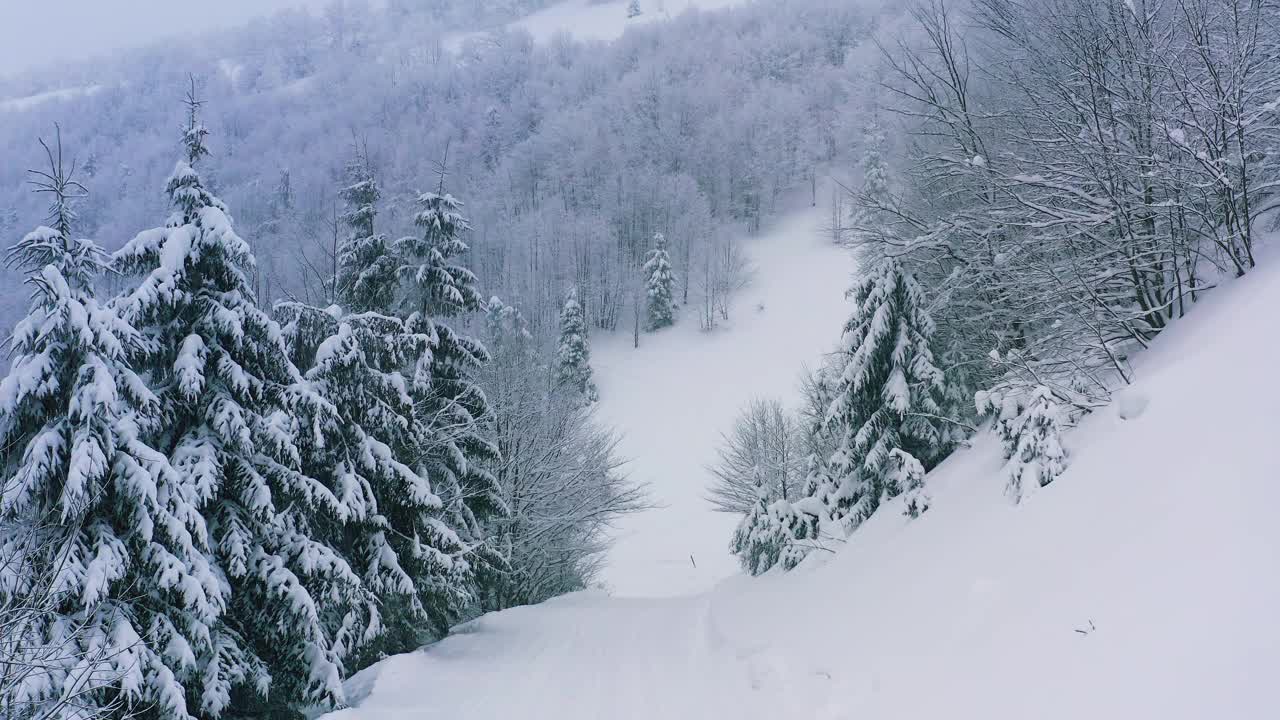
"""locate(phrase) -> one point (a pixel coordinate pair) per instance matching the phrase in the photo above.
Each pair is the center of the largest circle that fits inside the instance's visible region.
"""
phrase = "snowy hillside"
(1136, 586)
(24, 103)
(604, 21)
(785, 320)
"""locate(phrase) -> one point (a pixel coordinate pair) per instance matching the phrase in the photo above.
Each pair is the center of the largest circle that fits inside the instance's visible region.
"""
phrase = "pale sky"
(34, 32)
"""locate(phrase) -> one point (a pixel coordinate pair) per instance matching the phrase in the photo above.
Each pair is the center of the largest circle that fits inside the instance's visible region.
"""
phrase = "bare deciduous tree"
(763, 454)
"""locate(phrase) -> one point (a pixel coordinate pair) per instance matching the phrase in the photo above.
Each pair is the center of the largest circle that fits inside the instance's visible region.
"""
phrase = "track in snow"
(585, 657)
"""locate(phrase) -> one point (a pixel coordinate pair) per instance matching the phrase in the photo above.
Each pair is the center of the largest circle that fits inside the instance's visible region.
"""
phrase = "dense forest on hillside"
(572, 156)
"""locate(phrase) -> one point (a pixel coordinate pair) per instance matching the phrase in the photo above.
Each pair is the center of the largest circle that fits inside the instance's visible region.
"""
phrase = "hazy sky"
(33, 32)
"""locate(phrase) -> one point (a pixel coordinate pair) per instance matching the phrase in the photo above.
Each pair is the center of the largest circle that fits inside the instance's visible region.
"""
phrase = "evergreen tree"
(393, 535)
(573, 354)
(818, 389)
(1004, 405)
(874, 193)
(886, 396)
(238, 425)
(452, 409)
(283, 201)
(1037, 457)
(659, 284)
(105, 584)
(91, 166)
(633, 9)
(367, 269)
(769, 535)
(906, 476)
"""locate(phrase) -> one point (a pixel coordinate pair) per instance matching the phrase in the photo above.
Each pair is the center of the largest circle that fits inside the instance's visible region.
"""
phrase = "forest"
(300, 376)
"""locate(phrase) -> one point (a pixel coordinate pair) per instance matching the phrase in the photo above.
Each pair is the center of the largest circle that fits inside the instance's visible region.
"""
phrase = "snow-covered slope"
(594, 20)
(672, 397)
(30, 101)
(1141, 584)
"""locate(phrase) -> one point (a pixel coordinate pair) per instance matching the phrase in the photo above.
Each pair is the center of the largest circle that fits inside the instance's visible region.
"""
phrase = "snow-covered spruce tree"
(633, 9)
(873, 197)
(394, 536)
(573, 354)
(817, 389)
(659, 285)
(1004, 406)
(368, 272)
(451, 408)
(1032, 433)
(770, 534)
(886, 394)
(237, 422)
(95, 528)
(906, 476)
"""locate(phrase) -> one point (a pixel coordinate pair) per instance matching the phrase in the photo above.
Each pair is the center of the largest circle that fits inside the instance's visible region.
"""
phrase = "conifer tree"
(659, 285)
(433, 416)
(368, 272)
(874, 193)
(237, 427)
(393, 535)
(886, 395)
(573, 354)
(1004, 405)
(633, 9)
(453, 409)
(1037, 457)
(769, 535)
(818, 388)
(906, 477)
(104, 579)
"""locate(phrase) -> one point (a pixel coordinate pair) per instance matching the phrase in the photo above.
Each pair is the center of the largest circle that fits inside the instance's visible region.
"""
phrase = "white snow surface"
(673, 397)
(1141, 584)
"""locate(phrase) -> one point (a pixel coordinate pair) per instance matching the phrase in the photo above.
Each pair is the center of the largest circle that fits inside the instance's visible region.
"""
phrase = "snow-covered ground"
(673, 397)
(603, 21)
(1141, 584)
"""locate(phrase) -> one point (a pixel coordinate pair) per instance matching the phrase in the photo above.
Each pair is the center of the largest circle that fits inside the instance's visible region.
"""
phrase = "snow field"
(1139, 585)
(673, 397)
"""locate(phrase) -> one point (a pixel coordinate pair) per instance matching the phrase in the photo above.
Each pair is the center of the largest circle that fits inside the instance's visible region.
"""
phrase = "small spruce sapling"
(770, 535)
(906, 476)
(1038, 456)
